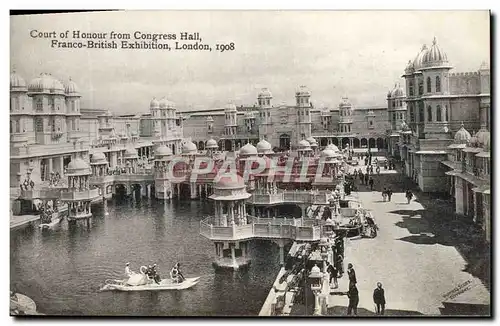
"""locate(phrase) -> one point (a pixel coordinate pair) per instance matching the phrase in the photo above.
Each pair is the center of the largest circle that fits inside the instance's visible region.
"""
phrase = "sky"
(358, 54)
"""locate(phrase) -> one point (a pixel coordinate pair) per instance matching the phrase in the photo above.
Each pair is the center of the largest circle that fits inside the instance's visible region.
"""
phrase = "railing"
(41, 193)
(69, 194)
(293, 230)
(267, 198)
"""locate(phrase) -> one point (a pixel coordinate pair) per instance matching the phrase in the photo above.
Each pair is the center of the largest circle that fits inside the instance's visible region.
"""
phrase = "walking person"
(351, 273)
(389, 194)
(332, 271)
(409, 196)
(353, 296)
(371, 184)
(379, 299)
(384, 194)
(366, 178)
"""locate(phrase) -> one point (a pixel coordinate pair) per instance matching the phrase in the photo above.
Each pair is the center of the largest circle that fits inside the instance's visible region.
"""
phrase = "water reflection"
(63, 269)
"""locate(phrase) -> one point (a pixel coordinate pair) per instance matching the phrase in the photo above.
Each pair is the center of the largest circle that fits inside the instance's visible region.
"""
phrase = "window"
(411, 88)
(394, 116)
(11, 126)
(438, 113)
(429, 85)
(53, 123)
(39, 105)
(438, 84)
(39, 125)
(429, 113)
(421, 112)
(412, 115)
(445, 115)
(420, 87)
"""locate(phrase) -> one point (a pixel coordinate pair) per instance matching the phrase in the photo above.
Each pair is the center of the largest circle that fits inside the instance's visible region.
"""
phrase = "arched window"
(445, 115)
(429, 113)
(438, 84)
(438, 113)
(411, 88)
(421, 112)
(429, 85)
(420, 87)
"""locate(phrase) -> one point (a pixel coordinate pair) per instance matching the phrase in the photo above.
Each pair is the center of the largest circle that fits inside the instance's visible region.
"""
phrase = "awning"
(453, 173)
(472, 149)
(432, 152)
(449, 164)
(484, 154)
(457, 146)
(469, 178)
(484, 189)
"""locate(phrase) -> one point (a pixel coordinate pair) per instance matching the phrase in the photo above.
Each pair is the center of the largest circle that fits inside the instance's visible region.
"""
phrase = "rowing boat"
(166, 284)
(51, 225)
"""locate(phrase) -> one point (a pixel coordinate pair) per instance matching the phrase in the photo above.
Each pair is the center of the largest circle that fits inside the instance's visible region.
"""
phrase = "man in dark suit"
(352, 275)
(333, 274)
(379, 298)
(353, 296)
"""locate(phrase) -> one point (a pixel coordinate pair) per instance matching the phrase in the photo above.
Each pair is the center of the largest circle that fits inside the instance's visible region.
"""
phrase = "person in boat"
(156, 276)
(176, 275)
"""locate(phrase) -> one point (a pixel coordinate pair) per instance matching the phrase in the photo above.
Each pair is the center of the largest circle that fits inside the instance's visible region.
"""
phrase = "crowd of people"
(154, 276)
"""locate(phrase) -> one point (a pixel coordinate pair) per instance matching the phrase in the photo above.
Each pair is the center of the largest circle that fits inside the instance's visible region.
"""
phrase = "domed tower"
(396, 106)
(264, 101)
(21, 119)
(50, 102)
(230, 122)
(415, 89)
(163, 185)
(171, 116)
(72, 103)
(435, 69)
(162, 117)
(302, 98)
(345, 113)
(154, 107)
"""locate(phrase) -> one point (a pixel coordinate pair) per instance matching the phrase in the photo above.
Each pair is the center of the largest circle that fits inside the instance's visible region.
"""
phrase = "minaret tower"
(264, 101)
(302, 97)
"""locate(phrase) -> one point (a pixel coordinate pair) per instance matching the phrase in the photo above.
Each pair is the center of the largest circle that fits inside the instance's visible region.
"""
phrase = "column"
(61, 166)
(231, 211)
(233, 254)
(50, 166)
(303, 208)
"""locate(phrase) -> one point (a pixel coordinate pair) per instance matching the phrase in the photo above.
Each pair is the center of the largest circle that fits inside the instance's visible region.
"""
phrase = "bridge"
(290, 197)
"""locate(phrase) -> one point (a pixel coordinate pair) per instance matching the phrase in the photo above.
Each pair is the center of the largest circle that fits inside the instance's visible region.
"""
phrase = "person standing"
(389, 193)
(352, 275)
(353, 296)
(409, 195)
(379, 299)
(384, 194)
(332, 271)
(371, 184)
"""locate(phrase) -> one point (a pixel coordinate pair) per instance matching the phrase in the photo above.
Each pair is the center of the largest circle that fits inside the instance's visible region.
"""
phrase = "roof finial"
(434, 41)
(462, 125)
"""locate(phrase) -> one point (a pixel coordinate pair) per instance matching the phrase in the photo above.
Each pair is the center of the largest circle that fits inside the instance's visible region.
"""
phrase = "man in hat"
(379, 298)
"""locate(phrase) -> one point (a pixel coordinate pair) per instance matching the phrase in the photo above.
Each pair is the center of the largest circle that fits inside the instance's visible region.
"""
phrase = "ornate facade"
(284, 126)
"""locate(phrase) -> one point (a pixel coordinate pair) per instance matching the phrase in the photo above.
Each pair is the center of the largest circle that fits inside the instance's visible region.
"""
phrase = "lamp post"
(315, 281)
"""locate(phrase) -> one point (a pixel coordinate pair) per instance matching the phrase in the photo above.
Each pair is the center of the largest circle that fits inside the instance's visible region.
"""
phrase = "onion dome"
(304, 145)
(472, 142)
(78, 166)
(248, 150)
(98, 158)
(212, 144)
(315, 271)
(264, 147)
(462, 136)
(17, 82)
(417, 63)
(483, 137)
(404, 126)
(70, 88)
(45, 83)
(344, 102)
(397, 91)
(130, 153)
(332, 147)
(163, 103)
(189, 148)
(163, 151)
(265, 93)
(434, 57)
(230, 107)
(312, 140)
(409, 67)
(170, 105)
(328, 153)
(229, 181)
(210, 119)
(154, 104)
(302, 91)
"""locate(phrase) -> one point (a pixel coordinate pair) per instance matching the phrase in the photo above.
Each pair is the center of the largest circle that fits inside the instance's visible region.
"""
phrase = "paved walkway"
(414, 256)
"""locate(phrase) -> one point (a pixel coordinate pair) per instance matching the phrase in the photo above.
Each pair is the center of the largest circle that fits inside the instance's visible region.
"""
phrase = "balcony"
(44, 193)
(75, 195)
(257, 229)
(267, 198)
